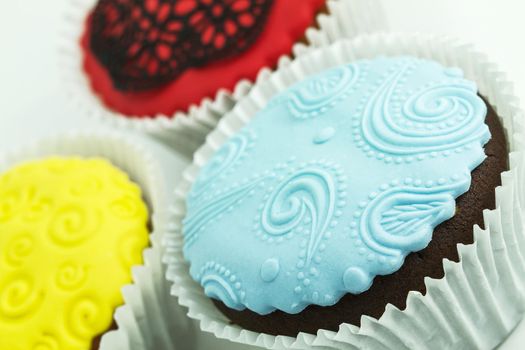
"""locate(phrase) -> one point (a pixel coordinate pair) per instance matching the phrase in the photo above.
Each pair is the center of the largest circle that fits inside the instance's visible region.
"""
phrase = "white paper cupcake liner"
(478, 301)
(150, 317)
(187, 129)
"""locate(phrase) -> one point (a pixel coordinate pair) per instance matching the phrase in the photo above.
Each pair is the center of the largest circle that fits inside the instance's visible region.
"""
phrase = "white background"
(33, 103)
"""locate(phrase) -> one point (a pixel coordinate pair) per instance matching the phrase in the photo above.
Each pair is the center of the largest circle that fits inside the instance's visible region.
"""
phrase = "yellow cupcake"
(70, 230)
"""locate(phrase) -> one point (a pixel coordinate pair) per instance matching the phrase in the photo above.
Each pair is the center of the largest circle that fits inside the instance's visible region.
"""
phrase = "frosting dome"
(333, 183)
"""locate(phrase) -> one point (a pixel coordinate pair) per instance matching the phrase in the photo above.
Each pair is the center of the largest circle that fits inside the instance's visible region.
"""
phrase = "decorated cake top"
(158, 56)
(334, 182)
(70, 230)
(145, 44)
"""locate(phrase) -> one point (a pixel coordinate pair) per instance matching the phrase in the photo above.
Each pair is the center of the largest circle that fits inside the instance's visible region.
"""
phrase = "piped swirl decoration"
(306, 196)
(71, 276)
(46, 342)
(315, 96)
(18, 298)
(221, 283)
(73, 224)
(18, 249)
(320, 206)
(226, 160)
(227, 200)
(438, 116)
(402, 219)
(60, 238)
(87, 316)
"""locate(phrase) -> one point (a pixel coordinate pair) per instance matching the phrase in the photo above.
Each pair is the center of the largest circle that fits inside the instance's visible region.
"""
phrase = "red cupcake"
(149, 57)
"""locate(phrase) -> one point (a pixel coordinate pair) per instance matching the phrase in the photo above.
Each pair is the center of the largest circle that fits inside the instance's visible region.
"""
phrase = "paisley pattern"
(219, 282)
(226, 160)
(437, 117)
(63, 222)
(226, 201)
(401, 219)
(320, 206)
(308, 194)
(316, 95)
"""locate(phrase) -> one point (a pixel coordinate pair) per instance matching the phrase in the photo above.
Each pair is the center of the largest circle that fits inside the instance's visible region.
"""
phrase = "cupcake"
(346, 196)
(77, 212)
(149, 64)
(71, 230)
(146, 58)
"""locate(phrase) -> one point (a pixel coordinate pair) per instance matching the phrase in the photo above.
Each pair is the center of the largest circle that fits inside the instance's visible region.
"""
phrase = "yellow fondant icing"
(70, 230)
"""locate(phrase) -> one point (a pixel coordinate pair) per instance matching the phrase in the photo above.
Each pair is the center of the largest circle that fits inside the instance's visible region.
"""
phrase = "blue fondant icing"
(220, 283)
(324, 135)
(333, 183)
(356, 280)
(270, 269)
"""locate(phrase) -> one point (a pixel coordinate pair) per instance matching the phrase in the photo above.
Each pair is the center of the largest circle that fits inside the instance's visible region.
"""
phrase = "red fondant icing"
(286, 24)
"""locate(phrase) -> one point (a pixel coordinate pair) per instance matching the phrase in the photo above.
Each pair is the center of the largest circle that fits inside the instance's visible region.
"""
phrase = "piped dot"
(270, 269)
(356, 280)
(324, 135)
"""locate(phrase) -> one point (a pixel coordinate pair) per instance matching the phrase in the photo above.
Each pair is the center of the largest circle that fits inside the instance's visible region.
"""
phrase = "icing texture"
(333, 183)
(70, 230)
(147, 43)
(156, 72)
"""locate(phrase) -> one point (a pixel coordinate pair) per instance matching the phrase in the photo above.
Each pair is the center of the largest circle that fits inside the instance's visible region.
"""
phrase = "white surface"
(496, 27)
(32, 103)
